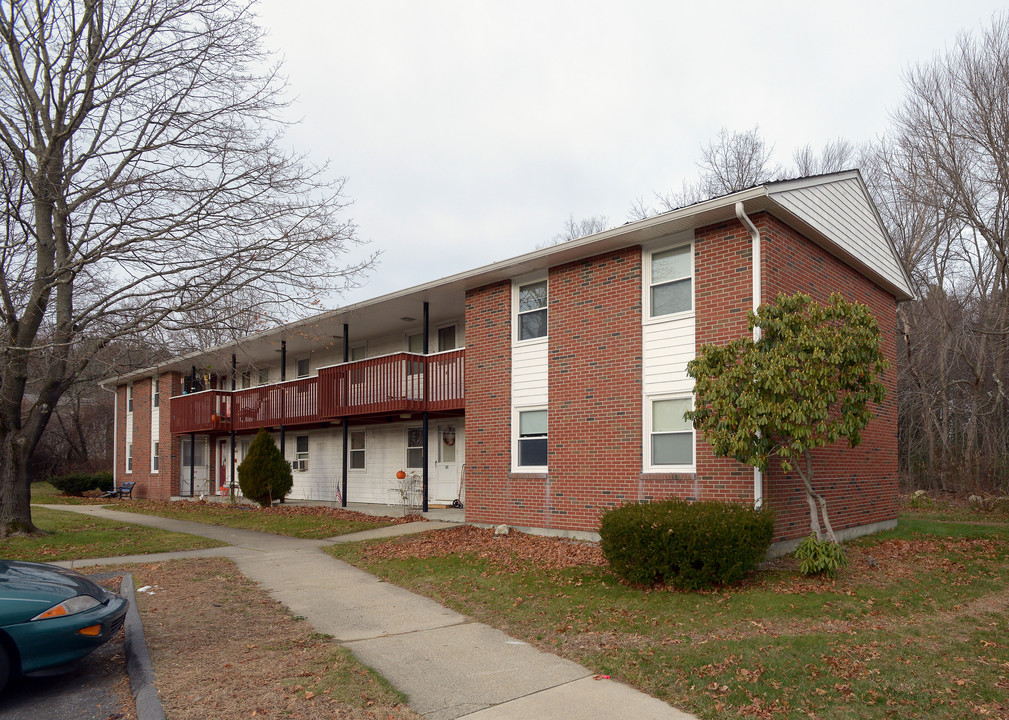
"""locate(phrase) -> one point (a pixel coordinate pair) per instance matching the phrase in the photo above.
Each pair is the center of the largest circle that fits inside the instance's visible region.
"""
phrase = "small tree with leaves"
(807, 382)
(264, 475)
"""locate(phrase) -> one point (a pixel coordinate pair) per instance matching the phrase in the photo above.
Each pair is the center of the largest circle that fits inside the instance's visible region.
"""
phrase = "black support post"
(283, 397)
(424, 446)
(344, 421)
(192, 443)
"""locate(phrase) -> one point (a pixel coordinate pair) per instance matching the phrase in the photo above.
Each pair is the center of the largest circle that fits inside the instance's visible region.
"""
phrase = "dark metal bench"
(124, 490)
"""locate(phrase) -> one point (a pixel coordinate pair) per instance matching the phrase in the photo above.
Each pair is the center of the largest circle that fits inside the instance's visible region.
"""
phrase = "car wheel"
(5, 666)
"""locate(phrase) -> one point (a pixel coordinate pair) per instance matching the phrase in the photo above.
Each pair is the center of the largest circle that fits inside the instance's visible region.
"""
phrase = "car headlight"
(72, 606)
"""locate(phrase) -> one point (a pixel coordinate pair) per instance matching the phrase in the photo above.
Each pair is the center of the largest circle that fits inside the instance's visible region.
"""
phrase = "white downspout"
(758, 478)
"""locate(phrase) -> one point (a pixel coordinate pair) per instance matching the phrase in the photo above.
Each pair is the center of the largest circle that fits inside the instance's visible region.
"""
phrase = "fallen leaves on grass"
(223, 649)
(514, 552)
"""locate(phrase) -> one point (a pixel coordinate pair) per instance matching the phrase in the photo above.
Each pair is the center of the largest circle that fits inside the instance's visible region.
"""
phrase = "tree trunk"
(15, 493)
(813, 498)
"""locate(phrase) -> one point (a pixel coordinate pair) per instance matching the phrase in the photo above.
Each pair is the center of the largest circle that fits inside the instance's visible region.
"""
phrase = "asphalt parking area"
(97, 688)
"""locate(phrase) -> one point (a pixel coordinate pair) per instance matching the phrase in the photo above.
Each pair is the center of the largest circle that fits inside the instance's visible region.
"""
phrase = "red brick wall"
(723, 295)
(488, 406)
(595, 433)
(860, 484)
(151, 485)
(595, 365)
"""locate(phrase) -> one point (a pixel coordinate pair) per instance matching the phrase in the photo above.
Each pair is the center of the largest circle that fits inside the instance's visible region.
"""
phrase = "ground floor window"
(358, 441)
(301, 452)
(129, 457)
(532, 438)
(672, 437)
(415, 447)
(154, 456)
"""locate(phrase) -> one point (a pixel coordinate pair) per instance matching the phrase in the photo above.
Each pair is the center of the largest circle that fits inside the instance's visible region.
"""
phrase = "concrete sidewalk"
(448, 665)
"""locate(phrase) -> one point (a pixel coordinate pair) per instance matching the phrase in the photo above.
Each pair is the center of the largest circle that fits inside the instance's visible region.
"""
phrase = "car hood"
(27, 589)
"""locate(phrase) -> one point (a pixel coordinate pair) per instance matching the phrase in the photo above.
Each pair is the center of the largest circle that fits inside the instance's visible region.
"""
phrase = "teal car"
(51, 617)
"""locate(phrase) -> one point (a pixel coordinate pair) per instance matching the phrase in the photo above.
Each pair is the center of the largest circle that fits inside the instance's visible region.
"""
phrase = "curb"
(138, 660)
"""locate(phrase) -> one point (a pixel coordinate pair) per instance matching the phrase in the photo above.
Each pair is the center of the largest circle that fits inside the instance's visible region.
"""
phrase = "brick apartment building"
(542, 389)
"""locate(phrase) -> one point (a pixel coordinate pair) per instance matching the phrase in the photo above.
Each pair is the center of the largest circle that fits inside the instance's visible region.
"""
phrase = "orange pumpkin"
(400, 475)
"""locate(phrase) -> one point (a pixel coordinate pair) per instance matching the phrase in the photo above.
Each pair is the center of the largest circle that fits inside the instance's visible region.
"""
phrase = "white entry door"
(446, 468)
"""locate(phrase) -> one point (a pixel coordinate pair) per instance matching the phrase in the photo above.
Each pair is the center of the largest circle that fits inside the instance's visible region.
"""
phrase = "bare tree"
(834, 156)
(735, 161)
(147, 186)
(944, 193)
(574, 229)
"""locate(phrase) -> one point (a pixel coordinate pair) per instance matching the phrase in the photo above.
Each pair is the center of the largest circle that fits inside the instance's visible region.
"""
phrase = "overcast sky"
(469, 131)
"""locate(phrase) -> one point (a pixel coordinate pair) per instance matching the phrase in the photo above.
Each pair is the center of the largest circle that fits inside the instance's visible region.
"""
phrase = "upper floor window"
(415, 343)
(532, 310)
(671, 282)
(129, 398)
(303, 368)
(246, 380)
(446, 338)
(155, 392)
(264, 376)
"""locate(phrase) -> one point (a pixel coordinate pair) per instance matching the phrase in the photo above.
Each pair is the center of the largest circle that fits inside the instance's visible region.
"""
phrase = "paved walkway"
(448, 665)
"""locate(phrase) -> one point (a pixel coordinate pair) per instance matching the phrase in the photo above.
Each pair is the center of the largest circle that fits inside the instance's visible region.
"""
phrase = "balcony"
(401, 382)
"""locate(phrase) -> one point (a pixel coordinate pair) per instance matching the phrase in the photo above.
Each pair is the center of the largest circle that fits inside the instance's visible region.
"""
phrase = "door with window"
(448, 462)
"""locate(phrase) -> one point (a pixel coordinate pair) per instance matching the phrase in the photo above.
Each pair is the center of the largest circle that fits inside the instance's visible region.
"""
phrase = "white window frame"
(359, 347)
(646, 281)
(129, 458)
(155, 459)
(297, 367)
(517, 286)
(351, 450)
(129, 398)
(516, 420)
(301, 456)
(192, 453)
(649, 466)
(264, 376)
(155, 392)
(418, 448)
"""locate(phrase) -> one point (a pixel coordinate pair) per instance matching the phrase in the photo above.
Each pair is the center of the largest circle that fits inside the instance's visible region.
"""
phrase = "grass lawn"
(74, 536)
(299, 521)
(917, 626)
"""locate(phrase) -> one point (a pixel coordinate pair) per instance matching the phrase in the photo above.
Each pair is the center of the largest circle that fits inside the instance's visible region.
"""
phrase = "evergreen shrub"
(76, 484)
(264, 475)
(689, 545)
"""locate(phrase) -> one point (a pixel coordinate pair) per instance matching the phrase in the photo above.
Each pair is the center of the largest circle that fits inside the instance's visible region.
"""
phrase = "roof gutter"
(758, 477)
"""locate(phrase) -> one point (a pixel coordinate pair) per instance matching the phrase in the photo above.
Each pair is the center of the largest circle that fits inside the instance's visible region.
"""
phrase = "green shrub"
(689, 545)
(77, 484)
(264, 475)
(820, 557)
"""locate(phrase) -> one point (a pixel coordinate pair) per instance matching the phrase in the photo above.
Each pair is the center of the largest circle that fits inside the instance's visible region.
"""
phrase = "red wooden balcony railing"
(394, 383)
(201, 412)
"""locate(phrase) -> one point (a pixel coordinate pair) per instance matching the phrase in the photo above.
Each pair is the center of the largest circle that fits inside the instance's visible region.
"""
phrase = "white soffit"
(840, 210)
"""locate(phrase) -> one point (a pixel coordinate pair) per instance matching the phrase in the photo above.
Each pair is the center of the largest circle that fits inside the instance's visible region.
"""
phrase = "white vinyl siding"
(842, 212)
(530, 374)
(667, 348)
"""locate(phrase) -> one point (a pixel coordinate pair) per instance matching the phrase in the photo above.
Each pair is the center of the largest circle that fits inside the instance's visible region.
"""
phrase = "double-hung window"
(357, 449)
(302, 368)
(415, 447)
(532, 439)
(672, 436)
(129, 457)
(155, 451)
(155, 392)
(129, 398)
(532, 310)
(301, 452)
(671, 282)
